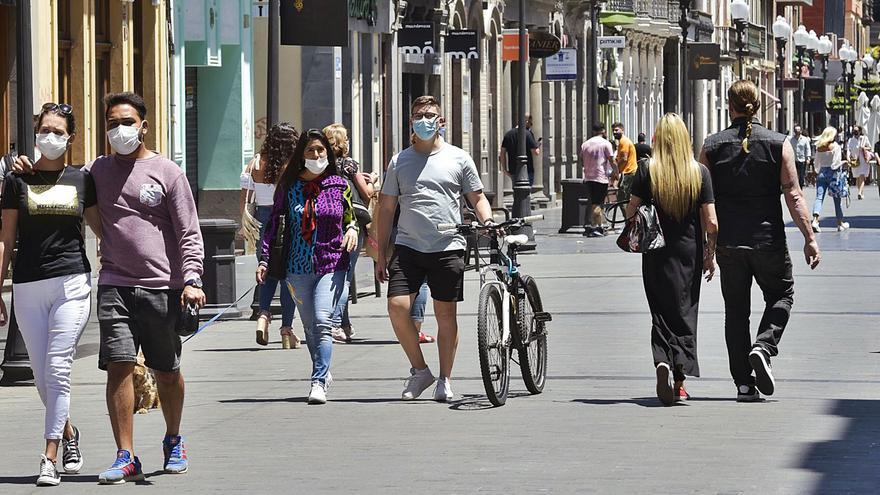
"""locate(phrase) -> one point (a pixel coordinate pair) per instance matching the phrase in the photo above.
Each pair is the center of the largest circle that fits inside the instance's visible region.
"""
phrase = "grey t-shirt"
(428, 188)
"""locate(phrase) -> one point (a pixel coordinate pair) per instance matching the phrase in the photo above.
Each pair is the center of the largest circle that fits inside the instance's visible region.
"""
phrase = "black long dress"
(672, 277)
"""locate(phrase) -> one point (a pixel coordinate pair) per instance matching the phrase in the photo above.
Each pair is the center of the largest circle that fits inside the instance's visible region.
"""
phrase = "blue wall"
(220, 122)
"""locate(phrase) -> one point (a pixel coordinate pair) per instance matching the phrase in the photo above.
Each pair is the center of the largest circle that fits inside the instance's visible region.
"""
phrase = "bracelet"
(352, 227)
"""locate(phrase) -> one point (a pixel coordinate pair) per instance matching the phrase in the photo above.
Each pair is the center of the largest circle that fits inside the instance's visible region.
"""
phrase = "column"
(539, 107)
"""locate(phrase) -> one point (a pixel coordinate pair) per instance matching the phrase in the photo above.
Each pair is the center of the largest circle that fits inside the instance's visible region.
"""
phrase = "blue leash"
(218, 315)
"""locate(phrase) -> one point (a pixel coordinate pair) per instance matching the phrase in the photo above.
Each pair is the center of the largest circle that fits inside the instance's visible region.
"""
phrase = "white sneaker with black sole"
(443, 390)
(71, 458)
(418, 382)
(763, 374)
(747, 393)
(48, 473)
(318, 391)
(815, 225)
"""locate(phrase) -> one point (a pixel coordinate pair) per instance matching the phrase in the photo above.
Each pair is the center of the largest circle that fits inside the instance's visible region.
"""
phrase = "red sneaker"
(681, 393)
(426, 339)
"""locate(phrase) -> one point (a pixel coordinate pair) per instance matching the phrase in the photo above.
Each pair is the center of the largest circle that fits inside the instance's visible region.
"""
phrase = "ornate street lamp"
(812, 49)
(684, 7)
(801, 38)
(781, 32)
(848, 57)
(825, 47)
(739, 14)
(868, 63)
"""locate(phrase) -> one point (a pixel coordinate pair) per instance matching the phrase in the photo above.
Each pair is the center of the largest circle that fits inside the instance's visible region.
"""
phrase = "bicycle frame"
(504, 266)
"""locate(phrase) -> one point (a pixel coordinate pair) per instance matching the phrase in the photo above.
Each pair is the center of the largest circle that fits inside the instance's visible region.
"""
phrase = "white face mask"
(51, 145)
(318, 166)
(124, 139)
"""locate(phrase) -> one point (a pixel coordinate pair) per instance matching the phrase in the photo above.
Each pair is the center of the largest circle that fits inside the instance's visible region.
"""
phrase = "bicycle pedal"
(543, 317)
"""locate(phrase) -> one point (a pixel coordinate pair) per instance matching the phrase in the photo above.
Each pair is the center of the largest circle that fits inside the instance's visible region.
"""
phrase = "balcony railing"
(623, 6)
(659, 10)
(672, 11)
(643, 8)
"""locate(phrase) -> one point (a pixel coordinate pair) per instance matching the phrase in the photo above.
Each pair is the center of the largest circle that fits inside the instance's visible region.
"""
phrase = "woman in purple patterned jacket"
(320, 231)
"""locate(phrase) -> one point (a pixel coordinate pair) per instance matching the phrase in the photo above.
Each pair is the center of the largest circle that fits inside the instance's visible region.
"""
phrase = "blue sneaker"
(175, 455)
(124, 469)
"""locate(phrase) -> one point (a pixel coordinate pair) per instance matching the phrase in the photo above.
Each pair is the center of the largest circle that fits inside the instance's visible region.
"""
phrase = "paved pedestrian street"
(597, 428)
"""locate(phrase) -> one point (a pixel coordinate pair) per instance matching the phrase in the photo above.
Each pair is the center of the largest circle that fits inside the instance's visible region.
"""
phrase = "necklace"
(49, 183)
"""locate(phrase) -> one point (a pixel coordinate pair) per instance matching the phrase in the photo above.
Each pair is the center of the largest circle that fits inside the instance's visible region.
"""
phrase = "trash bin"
(219, 267)
(573, 212)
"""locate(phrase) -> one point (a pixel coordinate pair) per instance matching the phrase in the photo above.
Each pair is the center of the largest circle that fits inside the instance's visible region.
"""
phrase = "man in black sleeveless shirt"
(750, 167)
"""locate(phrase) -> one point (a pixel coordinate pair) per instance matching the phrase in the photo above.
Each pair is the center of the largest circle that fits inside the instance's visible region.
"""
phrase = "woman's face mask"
(318, 166)
(52, 145)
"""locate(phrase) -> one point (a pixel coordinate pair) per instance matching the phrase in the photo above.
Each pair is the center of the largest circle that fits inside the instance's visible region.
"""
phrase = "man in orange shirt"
(625, 160)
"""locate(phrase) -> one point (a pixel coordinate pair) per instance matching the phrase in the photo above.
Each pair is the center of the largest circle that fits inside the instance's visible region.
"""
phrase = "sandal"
(263, 327)
(426, 339)
(289, 340)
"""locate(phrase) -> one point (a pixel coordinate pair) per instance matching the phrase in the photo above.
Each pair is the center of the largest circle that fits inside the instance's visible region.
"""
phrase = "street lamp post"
(848, 58)
(825, 47)
(868, 63)
(739, 13)
(684, 6)
(801, 37)
(781, 32)
(593, 62)
(522, 189)
(812, 49)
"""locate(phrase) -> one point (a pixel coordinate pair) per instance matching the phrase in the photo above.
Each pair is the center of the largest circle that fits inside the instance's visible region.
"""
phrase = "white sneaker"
(48, 473)
(418, 381)
(318, 393)
(443, 390)
(815, 225)
(843, 226)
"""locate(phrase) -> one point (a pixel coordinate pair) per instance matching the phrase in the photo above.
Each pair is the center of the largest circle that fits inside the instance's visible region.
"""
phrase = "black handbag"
(642, 233)
(361, 209)
(277, 258)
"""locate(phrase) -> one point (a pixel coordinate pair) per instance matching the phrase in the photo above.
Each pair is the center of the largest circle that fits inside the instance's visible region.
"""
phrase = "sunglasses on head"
(62, 108)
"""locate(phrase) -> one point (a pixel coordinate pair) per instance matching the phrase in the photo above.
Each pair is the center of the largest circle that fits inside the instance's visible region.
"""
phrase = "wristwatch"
(194, 282)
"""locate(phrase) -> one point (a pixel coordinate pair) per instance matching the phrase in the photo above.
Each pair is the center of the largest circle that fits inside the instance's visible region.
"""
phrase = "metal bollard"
(219, 273)
(16, 364)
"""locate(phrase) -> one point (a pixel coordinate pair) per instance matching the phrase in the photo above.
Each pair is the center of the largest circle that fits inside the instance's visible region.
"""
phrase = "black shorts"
(444, 272)
(596, 191)
(132, 318)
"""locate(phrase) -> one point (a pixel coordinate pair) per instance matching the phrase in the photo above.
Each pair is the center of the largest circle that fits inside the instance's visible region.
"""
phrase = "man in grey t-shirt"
(427, 181)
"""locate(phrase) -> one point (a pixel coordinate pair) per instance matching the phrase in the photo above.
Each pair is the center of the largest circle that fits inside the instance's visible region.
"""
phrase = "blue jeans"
(417, 313)
(317, 297)
(340, 316)
(823, 182)
(270, 285)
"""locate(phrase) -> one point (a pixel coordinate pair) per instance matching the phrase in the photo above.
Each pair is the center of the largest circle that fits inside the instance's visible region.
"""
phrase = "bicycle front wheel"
(615, 213)
(532, 337)
(494, 352)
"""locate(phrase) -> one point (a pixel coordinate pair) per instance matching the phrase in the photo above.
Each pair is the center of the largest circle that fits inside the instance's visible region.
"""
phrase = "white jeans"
(51, 316)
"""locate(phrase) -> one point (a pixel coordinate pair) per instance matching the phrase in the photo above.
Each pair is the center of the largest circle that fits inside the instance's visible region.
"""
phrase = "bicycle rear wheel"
(494, 352)
(615, 213)
(532, 336)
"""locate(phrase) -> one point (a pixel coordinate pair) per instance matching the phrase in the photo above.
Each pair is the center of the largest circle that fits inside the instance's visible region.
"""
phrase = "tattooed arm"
(797, 205)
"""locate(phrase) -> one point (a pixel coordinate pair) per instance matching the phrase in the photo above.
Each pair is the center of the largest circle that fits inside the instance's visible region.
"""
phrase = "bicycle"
(510, 314)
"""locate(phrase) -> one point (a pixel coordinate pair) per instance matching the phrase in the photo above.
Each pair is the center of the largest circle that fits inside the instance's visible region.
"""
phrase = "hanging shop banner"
(704, 61)
(562, 66)
(510, 45)
(814, 94)
(416, 38)
(314, 22)
(609, 42)
(463, 44)
(543, 44)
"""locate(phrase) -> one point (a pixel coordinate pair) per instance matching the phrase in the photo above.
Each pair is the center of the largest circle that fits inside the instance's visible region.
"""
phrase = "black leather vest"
(747, 185)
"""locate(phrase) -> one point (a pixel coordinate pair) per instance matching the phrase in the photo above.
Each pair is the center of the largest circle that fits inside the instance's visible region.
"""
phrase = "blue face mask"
(425, 128)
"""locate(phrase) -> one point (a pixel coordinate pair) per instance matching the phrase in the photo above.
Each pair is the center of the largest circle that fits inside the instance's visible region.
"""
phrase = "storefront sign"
(814, 94)
(363, 9)
(463, 44)
(562, 66)
(510, 45)
(416, 38)
(608, 42)
(543, 44)
(314, 22)
(704, 61)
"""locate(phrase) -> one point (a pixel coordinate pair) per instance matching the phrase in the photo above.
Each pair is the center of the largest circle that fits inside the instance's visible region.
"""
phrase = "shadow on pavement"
(375, 400)
(855, 222)
(30, 480)
(472, 402)
(639, 401)
(261, 401)
(848, 464)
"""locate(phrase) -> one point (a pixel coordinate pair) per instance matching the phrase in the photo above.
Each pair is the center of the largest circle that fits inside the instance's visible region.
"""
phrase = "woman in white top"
(831, 178)
(258, 182)
(859, 149)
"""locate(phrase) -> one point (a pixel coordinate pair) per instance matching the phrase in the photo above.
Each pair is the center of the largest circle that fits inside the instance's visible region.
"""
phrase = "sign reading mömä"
(416, 38)
(463, 44)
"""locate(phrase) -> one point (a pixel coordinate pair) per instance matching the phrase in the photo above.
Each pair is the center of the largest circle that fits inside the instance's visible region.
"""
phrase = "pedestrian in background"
(625, 159)
(643, 149)
(52, 278)
(508, 155)
(750, 166)
(313, 204)
(802, 153)
(362, 191)
(599, 169)
(427, 180)
(258, 183)
(857, 149)
(832, 178)
(681, 190)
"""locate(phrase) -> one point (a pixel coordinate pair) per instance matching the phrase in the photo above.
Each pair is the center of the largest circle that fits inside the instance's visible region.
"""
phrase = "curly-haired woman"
(258, 180)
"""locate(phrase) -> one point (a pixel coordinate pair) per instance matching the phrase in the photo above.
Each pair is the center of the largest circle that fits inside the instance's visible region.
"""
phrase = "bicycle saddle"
(517, 240)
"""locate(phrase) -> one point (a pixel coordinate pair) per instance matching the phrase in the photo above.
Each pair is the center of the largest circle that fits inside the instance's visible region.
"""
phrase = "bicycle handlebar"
(513, 222)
